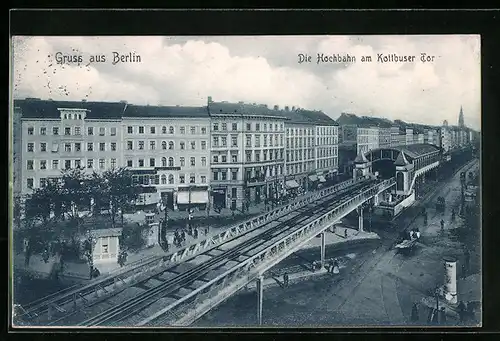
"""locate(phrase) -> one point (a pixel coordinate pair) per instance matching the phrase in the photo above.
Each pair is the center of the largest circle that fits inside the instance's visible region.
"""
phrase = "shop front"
(219, 197)
(192, 197)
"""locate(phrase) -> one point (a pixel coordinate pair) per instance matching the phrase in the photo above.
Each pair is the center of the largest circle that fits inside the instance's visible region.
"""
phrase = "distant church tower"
(461, 118)
(445, 123)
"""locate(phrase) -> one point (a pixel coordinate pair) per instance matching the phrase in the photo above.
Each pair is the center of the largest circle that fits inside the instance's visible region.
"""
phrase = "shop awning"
(313, 177)
(321, 178)
(197, 197)
(292, 184)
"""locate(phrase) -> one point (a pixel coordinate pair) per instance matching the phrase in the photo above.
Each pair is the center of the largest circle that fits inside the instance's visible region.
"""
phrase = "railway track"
(27, 314)
(118, 313)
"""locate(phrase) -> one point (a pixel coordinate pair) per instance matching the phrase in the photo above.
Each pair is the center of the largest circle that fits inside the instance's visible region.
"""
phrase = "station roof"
(417, 150)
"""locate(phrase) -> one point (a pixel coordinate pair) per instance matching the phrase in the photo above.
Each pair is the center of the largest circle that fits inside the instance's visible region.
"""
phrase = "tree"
(120, 190)
(88, 251)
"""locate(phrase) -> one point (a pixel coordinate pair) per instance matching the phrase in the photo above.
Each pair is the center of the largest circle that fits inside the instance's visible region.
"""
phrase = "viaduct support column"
(360, 219)
(260, 294)
(323, 244)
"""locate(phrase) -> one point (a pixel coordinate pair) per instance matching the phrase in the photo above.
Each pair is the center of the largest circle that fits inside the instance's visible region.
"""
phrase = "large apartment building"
(247, 153)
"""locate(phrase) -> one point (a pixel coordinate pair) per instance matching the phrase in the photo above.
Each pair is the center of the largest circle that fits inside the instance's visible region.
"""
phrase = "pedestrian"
(442, 315)
(206, 231)
(414, 313)
(442, 224)
(285, 279)
(418, 233)
(461, 311)
(345, 233)
(196, 233)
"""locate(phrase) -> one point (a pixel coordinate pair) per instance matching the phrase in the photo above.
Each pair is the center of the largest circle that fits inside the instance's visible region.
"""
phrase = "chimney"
(84, 100)
(276, 107)
(209, 99)
(293, 108)
(287, 108)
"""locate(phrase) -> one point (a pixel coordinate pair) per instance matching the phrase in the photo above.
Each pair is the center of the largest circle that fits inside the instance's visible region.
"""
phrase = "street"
(378, 288)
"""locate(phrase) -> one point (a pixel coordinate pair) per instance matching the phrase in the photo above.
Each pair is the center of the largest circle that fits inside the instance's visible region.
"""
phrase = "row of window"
(263, 172)
(299, 131)
(44, 164)
(234, 126)
(151, 180)
(326, 130)
(300, 168)
(171, 130)
(77, 147)
(68, 164)
(299, 155)
(369, 131)
(326, 152)
(277, 155)
(74, 131)
(164, 162)
(139, 145)
(265, 140)
(327, 163)
(297, 142)
(167, 180)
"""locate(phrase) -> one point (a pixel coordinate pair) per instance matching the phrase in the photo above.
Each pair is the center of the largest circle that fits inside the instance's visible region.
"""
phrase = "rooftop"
(417, 150)
(164, 111)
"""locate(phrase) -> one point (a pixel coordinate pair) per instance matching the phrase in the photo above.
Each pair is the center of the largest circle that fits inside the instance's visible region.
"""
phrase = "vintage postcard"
(283, 181)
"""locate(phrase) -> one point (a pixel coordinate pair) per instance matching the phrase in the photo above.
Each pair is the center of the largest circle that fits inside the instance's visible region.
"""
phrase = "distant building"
(367, 139)
(384, 137)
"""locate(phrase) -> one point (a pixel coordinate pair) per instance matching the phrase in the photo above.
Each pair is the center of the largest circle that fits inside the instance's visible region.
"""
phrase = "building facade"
(168, 148)
(300, 161)
(247, 154)
(385, 137)
(367, 139)
(326, 150)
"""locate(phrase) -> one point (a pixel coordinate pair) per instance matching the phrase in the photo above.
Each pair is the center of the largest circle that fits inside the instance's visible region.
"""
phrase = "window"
(224, 175)
(152, 145)
(78, 146)
(43, 164)
(216, 175)
(105, 248)
(113, 146)
(182, 179)
(224, 126)
(234, 126)
(203, 145)
(270, 127)
(102, 146)
(248, 155)
(101, 163)
(224, 141)
(43, 182)
(171, 145)
(193, 130)
(204, 130)
(141, 130)
(183, 162)
(31, 146)
(152, 130)
(67, 164)
(203, 161)
(43, 147)
(234, 175)
(257, 156)
(183, 145)
(67, 131)
(152, 162)
(216, 158)
(257, 126)
(171, 130)
(233, 192)
(193, 145)
(163, 179)
(29, 183)
(192, 178)
(55, 130)
(141, 145)
(216, 127)
(164, 145)
(129, 145)
(113, 131)
(113, 163)
(234, 158)
(164, 162)
(141, 162)
(234, 141)
(30, 130)
(67, 147)
(257, 140)
(216, 141)
(224, 158)
(249, 126)
(170, 161)
(90, 163)
(43, 131)
(77, 131)
(55, 164)
(183, 130)
(193, 161)
(130, 130)
(170, 179)
(203, 179)
(249, 140)
(78, 163)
